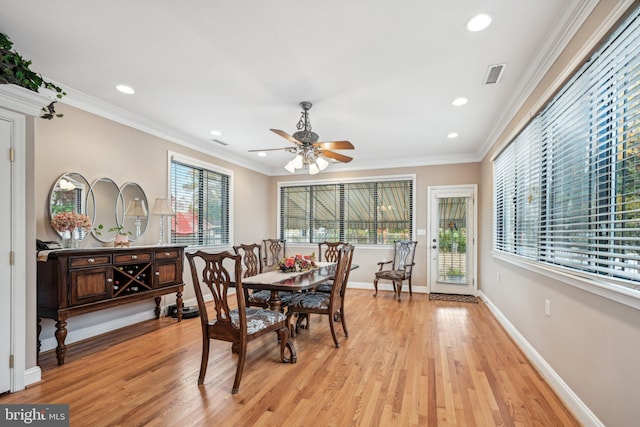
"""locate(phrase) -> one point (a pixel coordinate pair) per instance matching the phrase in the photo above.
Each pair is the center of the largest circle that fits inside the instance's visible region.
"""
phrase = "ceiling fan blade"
(289, 149)
(334, 145)
(286, 136)
(336, 156)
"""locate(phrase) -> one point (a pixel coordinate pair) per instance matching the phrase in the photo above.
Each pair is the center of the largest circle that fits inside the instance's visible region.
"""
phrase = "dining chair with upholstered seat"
(404, 252)
(328, 252)
(252, 262)
(274, 251)
(220, 272)
(330, 304)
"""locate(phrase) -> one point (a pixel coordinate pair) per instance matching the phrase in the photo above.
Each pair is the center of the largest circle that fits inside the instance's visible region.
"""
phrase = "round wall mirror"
(102, 206)
(135, 209)
(69, 194)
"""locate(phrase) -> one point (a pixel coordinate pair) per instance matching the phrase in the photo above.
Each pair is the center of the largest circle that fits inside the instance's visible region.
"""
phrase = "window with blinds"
(369, 212)
(200, 199)
(567, 188)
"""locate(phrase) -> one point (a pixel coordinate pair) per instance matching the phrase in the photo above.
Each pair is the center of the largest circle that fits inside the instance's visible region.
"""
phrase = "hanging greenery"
(14, 69)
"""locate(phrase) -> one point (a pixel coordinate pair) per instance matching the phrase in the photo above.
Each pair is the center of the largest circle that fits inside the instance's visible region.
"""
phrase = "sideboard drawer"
(168, 254)
(128, 258)
(89, 261)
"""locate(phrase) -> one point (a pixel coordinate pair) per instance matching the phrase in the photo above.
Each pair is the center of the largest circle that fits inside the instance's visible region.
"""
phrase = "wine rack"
(133, 278)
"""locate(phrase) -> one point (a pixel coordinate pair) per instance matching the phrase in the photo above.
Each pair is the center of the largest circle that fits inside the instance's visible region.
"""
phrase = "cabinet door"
(89, 285)
(168, 273)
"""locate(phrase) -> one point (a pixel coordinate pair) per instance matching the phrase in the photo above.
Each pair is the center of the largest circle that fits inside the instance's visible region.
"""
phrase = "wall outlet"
(547, 307)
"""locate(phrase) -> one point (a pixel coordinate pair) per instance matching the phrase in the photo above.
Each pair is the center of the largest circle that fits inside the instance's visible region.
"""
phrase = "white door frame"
(469, 190)
(17, 233)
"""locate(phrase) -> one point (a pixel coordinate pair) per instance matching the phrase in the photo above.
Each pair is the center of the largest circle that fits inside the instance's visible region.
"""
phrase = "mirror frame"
(83, 200)
(129, 222)
(99, 217)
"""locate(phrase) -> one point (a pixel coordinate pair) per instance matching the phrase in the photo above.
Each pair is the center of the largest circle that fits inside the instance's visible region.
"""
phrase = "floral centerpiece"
(69, 221)
(297, 263)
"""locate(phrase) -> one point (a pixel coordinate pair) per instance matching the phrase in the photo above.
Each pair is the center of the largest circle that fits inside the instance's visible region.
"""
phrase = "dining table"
(299, 281)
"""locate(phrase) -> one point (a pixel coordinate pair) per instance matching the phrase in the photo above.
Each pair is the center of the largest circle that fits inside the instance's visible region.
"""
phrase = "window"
(367, 212)
(200, 198)
(567, 188)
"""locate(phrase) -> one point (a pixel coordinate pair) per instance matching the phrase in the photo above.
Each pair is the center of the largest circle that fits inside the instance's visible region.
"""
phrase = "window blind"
(200, 199)
(359, 212)
(567, 189)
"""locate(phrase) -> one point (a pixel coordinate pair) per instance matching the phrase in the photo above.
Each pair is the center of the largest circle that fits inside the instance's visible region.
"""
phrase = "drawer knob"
(157, 273)
(109, 280)
(91, 260)
(134, 256)
(167, 254)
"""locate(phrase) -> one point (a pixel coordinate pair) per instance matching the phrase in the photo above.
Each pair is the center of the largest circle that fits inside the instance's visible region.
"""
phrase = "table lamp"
(138, 209)
(163, 208)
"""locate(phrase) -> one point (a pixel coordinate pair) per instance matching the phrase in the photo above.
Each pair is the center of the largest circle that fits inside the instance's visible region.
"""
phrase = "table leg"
(275, 303)
(179, 303)
(61, 335)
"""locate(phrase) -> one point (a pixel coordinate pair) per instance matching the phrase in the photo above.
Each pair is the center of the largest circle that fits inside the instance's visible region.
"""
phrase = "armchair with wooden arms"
(401, 265)
(240, 325)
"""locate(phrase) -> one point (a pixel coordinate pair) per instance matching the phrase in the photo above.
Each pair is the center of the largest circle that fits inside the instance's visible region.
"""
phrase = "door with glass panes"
(451, 239)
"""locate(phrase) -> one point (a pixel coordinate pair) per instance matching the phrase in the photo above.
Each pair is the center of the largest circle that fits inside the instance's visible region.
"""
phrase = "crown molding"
(23, 100)
(557, 41)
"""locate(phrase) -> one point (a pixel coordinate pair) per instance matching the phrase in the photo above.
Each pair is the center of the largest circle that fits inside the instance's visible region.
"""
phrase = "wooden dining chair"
(330, 304)
(328, 252)
(252, 262)
(404, 252)
(240, 325)
(274, 251)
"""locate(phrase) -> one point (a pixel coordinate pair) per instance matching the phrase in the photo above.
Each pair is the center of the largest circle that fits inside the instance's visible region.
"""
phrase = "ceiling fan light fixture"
(297, 161)
(313, 169)
(289, 166)
(322, 163)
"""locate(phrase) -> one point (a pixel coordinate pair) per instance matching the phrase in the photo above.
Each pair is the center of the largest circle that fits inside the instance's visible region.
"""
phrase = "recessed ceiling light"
(459, 101)
(262, 154)
(125, 89)
(452, 135)
(479, 22)
(216, 133)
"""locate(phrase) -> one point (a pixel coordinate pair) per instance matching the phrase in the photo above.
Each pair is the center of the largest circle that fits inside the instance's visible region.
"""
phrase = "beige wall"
(591, 342)
(95, 147)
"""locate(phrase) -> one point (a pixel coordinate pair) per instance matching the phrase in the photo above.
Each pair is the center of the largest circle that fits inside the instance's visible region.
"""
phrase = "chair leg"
(205, 360)
(399, 289)
(333, 330)
(375, 285)
(241, 358)
(344, 324)
(283, 336)
(410, 293)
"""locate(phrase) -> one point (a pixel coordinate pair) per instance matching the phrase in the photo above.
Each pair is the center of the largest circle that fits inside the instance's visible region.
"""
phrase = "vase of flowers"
(297, 263)
(69, 224)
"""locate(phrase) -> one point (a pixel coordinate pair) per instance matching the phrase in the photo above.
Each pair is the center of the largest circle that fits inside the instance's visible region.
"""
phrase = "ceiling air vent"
(224, 144)
(494, 74)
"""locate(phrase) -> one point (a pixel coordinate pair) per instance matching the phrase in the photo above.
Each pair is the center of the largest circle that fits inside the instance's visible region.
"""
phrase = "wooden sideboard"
(77, 281)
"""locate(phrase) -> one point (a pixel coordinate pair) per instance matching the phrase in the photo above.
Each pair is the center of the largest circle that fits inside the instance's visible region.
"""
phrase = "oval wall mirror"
(69, 194)
(102, 206)
(135, 209)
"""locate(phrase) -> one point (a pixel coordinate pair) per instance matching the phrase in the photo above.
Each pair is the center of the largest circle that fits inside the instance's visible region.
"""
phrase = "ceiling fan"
(309, 152)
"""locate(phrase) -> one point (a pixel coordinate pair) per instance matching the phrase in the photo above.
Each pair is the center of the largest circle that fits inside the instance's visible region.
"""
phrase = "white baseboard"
(32, 376)
(387, 286)
(573, 402)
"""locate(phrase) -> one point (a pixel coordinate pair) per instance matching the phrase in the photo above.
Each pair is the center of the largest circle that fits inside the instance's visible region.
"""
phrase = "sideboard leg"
(157, 309)
(179, 303)
(61, 335)
(39, 343)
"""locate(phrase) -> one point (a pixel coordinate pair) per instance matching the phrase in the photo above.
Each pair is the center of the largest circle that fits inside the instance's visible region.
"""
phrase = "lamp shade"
(162, 207)
(136, 208)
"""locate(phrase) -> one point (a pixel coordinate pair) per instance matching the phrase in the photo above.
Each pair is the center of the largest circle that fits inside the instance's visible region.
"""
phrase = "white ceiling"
(381, 74)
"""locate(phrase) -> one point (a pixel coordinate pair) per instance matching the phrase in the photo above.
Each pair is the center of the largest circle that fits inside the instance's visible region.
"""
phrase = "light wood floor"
(418, 362)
